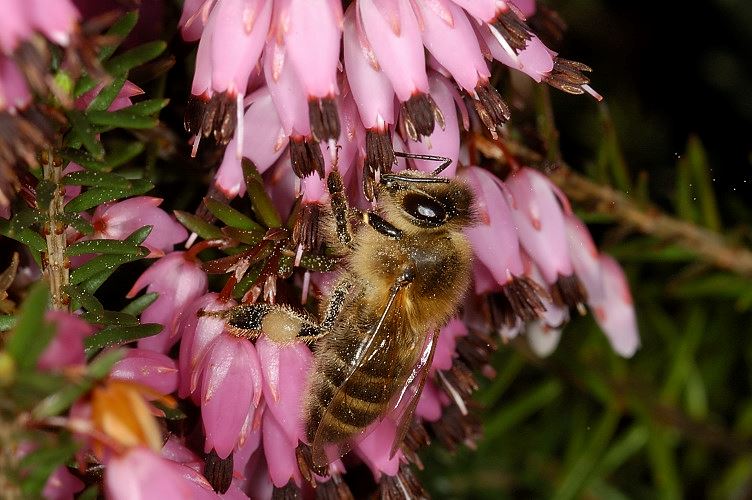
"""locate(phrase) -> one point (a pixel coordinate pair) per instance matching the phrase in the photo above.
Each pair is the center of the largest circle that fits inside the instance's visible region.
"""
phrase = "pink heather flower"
(148, 368)
(279, 452)
(554, 315)
(230, 392)
(56, 20)
(526, 7)
(374, 449)
(118, 220)
(370, 87)
(483, 10)
(178, 278)
(285, 369)
(232, 41)
(62, 485)
(193, 18)
(538, 217)
(494, 240)
(450, 38)
(263, 142)
(312, 30)
(14, 92)
(535, 60)
(142, 474)
(615, 312)
(286, 91)
(394, 34)
(445, 139)
(446, 345)
(196, 333)
(67, 345)
(584, 255)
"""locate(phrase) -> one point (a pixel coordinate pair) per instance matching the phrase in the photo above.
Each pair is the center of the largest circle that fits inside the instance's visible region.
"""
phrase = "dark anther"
(306, 157)
(568, 76)
(218, 471)
(491, 108)
(334, 489)
(305, 231)
(288, 492)
(514, 30)
(569, 291)
(419, 115)
(214, 117)
(322, 114)
(404, 485)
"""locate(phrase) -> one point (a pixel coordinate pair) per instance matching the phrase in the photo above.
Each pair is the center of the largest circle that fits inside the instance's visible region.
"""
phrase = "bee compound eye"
(425, 209)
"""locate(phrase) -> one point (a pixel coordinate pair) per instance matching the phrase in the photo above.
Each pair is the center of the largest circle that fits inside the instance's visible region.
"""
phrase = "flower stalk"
(56, 267)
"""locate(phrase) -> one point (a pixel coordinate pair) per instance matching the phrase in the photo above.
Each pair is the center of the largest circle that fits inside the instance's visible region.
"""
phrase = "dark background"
(667, 70)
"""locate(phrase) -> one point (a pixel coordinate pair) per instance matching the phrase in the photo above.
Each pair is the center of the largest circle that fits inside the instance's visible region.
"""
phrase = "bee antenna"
(445, 162)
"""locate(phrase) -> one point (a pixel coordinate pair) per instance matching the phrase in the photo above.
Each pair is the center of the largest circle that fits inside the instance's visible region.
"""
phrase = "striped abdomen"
(339, 407)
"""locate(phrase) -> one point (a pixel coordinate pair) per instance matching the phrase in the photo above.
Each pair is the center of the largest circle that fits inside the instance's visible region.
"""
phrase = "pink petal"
(148, 368)
(286, 91)
(370, 87)
(483, 10)
(279, 450)
(56, 20)
(445, 347)
(615, 312)
(538, 217)
(375, 447)
(62, 485)
(237, 41)
(584, 255)
(67, 346)
(393, 32)
(230, 378)
(285, 369)
(448, 35)
(494, 238)
(312, 31)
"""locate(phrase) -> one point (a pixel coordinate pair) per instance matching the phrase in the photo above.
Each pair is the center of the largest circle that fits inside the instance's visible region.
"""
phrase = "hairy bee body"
(406, 267)
(442, 272)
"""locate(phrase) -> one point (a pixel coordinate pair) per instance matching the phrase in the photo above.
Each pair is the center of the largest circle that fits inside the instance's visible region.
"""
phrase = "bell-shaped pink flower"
(375, 447)
(263, 142)
(445, 140)
(62, 485)
(446, 345)
(148, 368)
(312, 31)
(431, 403)
(193, 18)
(483, 10)
(141, 473)
(279, 451)
(118, 220)
(449, 36)
(238, 32)
(230, 392)
(178, 279)
(585, 261)
(494, 239)
(537, 214)
(286, 90)
(14, 91)
(56, 20)
(67, 345)
(196, 333)
(370, 87)
(614, 311)
(393, 31)
(15, 26)
(285, 369)
(535, 60)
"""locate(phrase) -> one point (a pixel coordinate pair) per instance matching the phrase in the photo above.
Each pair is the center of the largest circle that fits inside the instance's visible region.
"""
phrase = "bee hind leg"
(280, 323)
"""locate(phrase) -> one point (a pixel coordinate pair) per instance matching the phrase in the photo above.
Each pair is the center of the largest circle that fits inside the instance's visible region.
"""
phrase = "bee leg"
(280, 323)
(334, 306)
(340, 208)
(379, 224)
(445, 162)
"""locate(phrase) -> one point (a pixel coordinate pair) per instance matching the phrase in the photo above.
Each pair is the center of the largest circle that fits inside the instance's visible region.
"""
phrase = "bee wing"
(410, 395)
(327, 448)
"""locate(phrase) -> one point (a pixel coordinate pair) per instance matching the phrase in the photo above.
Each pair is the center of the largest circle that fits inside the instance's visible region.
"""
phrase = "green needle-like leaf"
(31, 335)
(107, 95)
(120, 30)
(97, 196)
(199, 226)
(97, 179)
(117, 335)
(98, 265)
(105, 247)
(262, 204)
(137, 306)
(124, 118)
(230, 216)
(121, 64)
(82, 131)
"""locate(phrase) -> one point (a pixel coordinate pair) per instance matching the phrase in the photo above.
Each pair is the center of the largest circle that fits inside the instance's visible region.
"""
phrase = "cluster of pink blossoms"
(299, 87)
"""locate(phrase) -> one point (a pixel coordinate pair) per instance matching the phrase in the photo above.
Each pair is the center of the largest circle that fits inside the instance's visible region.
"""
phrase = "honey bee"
(406, 266)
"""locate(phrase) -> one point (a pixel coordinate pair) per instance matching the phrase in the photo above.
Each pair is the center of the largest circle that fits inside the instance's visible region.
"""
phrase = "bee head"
(414, 199)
